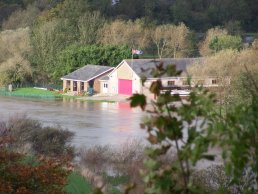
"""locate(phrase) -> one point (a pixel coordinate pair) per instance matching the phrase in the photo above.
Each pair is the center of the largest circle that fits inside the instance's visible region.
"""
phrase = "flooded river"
(94, 123)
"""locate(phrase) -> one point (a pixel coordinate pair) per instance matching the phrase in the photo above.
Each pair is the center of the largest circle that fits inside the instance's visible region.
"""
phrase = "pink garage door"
(125, 86)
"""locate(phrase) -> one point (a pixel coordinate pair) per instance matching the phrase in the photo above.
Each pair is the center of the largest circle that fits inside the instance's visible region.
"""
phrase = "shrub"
(51, 141)
(31, 136)
(25, 174)
(109, 167)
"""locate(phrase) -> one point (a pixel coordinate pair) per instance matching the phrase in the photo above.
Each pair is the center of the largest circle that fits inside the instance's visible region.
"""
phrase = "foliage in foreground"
(189, 128)
(18, 174)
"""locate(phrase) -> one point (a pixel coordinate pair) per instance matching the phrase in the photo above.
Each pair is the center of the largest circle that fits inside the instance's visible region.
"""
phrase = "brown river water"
(94, 123)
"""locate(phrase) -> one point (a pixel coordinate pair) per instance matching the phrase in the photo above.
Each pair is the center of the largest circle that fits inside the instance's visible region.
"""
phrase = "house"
(125, 79)
(86, 79)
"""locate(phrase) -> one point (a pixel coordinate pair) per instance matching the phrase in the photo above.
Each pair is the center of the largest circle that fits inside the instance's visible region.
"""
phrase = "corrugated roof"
(147, 64)
(87, 72)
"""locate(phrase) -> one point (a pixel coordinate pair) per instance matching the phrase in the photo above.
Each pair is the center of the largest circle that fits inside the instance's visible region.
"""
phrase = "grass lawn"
(34, 92)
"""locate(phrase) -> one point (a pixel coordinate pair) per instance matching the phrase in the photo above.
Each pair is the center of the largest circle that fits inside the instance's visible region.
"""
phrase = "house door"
(105, 88)
(125, 87)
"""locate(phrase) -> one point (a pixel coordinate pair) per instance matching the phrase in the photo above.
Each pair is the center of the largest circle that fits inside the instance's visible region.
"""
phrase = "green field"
(33, 93)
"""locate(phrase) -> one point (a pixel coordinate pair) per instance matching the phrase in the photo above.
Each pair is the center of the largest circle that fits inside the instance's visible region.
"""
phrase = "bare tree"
(130, 33)
(160, 38)
(171, 40)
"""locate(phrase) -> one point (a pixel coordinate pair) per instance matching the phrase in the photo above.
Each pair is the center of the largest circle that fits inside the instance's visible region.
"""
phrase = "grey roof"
(88, 72)
(138, 65)
(104, 78)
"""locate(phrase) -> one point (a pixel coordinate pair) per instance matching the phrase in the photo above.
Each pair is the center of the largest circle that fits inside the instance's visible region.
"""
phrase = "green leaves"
(156, 87)
(171, 118)
(138, 100)
(223, 42)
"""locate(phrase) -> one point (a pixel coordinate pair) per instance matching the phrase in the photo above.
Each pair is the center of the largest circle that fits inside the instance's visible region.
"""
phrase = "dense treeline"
(199, 15)
(41, 40)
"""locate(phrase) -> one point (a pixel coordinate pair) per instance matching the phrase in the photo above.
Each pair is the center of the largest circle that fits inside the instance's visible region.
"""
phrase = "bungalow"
(125, 79)
(86, 79)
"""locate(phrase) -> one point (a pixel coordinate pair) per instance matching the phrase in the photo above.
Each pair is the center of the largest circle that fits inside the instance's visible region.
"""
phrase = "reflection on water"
(93, 122)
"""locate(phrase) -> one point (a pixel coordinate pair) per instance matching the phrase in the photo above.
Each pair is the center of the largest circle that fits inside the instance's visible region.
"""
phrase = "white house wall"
(113, 83)
(124, 71)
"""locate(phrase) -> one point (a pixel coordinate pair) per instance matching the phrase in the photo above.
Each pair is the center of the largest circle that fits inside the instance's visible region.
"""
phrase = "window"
(75, 86)
(68, 85)
(171, 83)
(214, 81)
(82, 86)
(105, 85)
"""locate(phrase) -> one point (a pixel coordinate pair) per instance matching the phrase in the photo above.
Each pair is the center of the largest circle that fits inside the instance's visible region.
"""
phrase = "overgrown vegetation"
(29, 136)
(111, 168)
(29, 165)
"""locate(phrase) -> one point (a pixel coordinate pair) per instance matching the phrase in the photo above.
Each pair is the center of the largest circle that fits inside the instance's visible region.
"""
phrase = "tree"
(172, 40)
(49, 39)
(74, 57)
(14, 47)
(159, 39)
(15, 70)
(22, 18)
(234, 28)
(225, 42)
(210, 34)
(14, 43)
(128, 33)
(89, 26)
(227, 67)
(255, 44)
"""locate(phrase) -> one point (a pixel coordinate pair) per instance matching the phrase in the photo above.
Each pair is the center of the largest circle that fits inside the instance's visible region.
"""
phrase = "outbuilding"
(85, 79)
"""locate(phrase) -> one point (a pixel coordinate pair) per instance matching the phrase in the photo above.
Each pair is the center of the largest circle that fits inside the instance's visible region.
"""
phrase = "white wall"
(113, 83)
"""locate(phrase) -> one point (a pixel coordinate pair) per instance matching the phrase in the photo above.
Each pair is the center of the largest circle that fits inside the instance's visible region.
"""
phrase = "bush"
(26, 174)
(51, 141)
(31, 136)
(112, 167)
